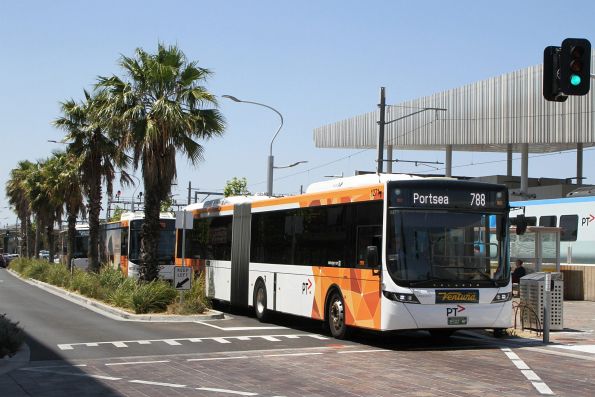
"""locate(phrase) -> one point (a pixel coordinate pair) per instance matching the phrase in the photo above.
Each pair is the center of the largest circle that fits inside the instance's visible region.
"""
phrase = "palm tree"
(163, 109)
(16, 191)
(40, 201)
(68, 186)
(55, 193)
(98, 155)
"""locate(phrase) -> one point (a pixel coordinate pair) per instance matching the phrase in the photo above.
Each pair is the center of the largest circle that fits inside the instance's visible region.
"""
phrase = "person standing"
(518, 272)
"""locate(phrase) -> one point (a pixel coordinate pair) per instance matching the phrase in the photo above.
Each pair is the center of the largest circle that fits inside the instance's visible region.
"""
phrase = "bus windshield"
(429, 247)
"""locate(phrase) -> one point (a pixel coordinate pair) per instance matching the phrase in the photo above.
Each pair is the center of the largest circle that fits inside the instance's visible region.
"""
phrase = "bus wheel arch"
(259, 300)
(335, 313)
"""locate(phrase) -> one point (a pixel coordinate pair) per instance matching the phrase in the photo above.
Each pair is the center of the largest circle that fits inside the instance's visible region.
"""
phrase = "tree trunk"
(37, 237)
(94, 211)
(70, 238)
(23, 239)
(149, 267)
(29, 235)
(50, 237)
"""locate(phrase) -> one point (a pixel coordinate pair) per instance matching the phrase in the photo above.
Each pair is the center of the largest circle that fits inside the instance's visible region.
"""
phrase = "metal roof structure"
(499, 114)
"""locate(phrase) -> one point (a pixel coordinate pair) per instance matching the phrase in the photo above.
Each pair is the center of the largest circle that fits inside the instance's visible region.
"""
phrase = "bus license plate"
(457, 320)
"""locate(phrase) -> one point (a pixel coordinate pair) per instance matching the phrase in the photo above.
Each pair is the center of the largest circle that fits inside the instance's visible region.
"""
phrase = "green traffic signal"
(575, 80)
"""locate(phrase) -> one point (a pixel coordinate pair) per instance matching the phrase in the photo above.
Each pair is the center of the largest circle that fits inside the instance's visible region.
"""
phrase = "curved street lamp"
(271, 160)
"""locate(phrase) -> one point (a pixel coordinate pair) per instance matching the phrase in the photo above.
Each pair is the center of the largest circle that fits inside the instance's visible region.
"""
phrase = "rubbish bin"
(532, 293)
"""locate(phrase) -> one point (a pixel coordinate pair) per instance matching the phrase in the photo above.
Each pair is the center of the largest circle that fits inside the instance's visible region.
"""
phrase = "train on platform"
(575, 216)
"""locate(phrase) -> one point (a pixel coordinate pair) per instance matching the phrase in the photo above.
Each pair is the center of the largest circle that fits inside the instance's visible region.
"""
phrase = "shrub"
(59, 275)
(153, 297)
(122, 295)
(11, 337)
(86, 284)
(110, 278)
(19, 264)
(37, 269)
(195, 300)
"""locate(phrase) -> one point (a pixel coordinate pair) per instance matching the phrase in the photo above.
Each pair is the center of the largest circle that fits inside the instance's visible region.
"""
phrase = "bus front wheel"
(336, 316)
(260, 302)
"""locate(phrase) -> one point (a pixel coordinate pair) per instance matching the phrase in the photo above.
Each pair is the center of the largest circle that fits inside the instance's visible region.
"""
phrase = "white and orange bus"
(120, 242)
(383, 252)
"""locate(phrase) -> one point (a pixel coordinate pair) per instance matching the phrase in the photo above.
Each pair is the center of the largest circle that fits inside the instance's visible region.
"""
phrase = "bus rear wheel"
(336, 316)
(260, 302)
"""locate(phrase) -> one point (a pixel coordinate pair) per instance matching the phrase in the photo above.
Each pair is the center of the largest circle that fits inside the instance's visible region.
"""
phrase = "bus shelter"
(538, 248)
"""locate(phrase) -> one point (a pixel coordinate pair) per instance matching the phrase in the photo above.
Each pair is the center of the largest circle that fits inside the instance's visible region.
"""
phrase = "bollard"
(546, 308)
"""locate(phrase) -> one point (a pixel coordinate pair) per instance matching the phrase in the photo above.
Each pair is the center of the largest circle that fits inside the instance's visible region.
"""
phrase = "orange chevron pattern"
(361, 294)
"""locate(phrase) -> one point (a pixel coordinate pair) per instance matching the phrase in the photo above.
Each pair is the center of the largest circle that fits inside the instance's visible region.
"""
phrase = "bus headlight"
(400, 297)
(502, 297)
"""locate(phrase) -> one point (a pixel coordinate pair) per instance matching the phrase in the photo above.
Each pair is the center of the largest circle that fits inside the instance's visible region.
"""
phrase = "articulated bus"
(80, 249)
(120, 244)
(382, 252)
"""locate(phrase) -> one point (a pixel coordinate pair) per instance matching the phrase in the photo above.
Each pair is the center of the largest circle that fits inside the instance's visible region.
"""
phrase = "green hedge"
(111, 286)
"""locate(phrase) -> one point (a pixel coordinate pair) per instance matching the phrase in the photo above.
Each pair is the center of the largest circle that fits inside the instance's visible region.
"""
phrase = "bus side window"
(368, 236)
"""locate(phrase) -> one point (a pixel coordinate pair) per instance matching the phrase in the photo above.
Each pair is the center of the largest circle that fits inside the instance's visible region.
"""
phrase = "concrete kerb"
(116, 313)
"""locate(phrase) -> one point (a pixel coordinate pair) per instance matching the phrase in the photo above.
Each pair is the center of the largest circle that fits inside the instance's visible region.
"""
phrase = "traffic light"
(575, 66)
(551, 75)
(567, 69)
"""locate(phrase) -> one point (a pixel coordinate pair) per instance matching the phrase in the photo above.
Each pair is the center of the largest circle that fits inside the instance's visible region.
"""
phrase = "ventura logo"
(464, 296)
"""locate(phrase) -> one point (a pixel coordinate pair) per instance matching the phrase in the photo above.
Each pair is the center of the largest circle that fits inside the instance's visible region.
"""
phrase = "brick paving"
(401, 366)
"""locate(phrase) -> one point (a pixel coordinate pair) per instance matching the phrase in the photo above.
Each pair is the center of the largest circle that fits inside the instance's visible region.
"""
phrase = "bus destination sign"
(446, 198)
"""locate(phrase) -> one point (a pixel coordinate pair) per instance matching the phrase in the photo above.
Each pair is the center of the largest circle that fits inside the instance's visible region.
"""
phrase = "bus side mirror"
(372, 256)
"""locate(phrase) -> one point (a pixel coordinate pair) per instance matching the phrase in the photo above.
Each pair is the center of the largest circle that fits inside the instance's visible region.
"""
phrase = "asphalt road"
(76, 351)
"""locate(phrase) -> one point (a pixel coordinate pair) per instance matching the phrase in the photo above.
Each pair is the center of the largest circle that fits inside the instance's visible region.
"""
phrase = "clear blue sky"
(316, 62)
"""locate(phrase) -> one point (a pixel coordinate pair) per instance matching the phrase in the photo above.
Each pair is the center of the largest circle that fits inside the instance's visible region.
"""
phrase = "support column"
(509, 161)
(524, 168)
(448, 161)
(579, 164)
(389, 159)
(379, 157)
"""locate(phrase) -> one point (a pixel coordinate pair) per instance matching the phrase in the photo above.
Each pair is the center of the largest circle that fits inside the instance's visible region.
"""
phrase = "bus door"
(240, 254)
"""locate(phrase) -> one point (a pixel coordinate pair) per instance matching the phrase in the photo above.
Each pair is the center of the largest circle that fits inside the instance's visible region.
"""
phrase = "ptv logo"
(586, 221)
(453, 311)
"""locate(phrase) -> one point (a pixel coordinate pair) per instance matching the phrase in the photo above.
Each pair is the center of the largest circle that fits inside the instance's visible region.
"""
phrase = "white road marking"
(238, 328)
(218, 358)
(364, 351)
(177, 341)
(531, 376)
(291, 354)
(241, 393)
(578, 348)
(270, 338)
(138, 362)
(146, 382)
(137, 381)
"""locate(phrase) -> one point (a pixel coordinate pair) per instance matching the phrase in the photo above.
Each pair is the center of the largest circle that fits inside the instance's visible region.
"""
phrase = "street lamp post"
(271, 160)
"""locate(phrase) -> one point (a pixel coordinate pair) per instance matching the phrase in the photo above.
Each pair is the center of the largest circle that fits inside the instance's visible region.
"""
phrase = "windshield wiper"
(486, 276)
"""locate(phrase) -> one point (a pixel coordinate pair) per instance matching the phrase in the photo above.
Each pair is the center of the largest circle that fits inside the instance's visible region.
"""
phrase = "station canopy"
(500, 114)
